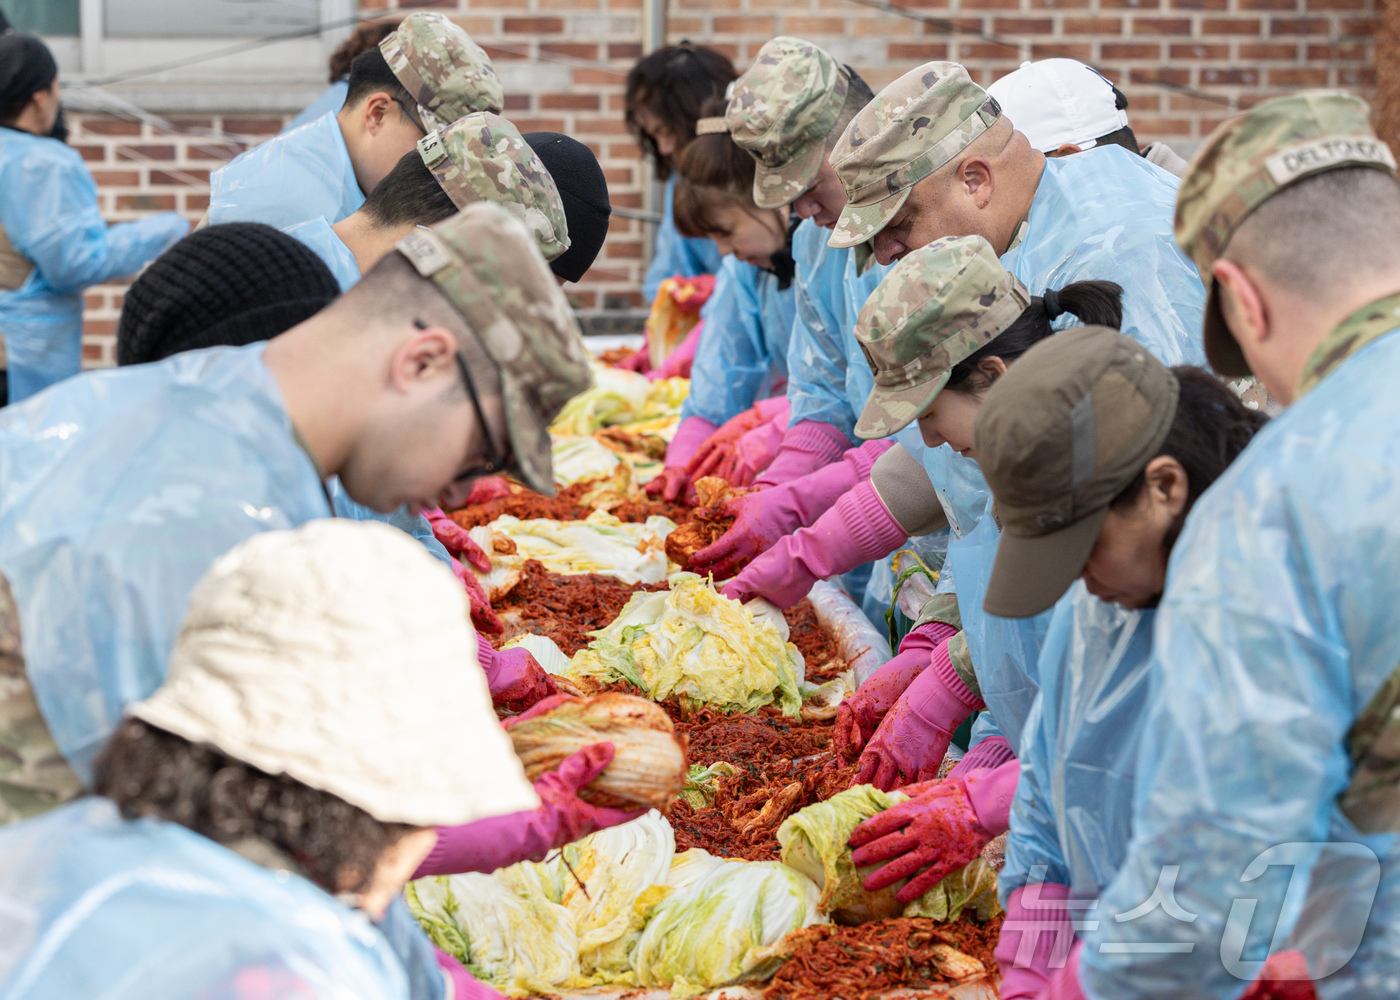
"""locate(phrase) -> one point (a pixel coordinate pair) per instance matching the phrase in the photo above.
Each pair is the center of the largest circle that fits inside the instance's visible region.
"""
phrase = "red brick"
(1161, 74)
(116, 178)
(1160, 26)
(1142, 5)
(145, 203)
(1329, 5)
(91, 352)
(506, 53)
(1353, 27)
(1084, 52)
(1231, 26)
(1230, 77)
(569, 102)
(532, 25)
(196, 202)
(1364, 76)
(535, 124)
(143, 153)
(1267, 50)
(191, 121)
(1092, 26)
(1129, 50)
(100, 328)
(92, 154)
(619, 175)
(1022, 26)
(918, 51)
(517, 102)
(1298, 26)
(1219, 51)
(624, 50)
(732, 25)
(1200, 4)
(990, 5)
(570, 50)
(110, 126)
(1339, 52)
(1147, 126)
(254, 126)
(980, 50)
(212, 151)
(804, 26)
(1297, 76)
(1059, 5)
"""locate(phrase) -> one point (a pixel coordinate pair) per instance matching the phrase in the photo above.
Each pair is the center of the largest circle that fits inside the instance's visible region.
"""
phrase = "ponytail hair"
(1209, 430)
(1095, 303)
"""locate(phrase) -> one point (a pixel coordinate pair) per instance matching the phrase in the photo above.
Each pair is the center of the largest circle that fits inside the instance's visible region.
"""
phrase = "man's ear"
(1065, 149)
(1168, 484)
(424, 358)
(376, 111)
(1241, 303)
(975, 175)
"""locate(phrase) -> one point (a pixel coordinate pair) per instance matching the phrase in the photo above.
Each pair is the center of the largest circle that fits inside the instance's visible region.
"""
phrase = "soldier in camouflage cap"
(486, 264)
(914, 126)
(446, 72)
(782, 111)
(1247, 161)
(483, 158)
(937, 307)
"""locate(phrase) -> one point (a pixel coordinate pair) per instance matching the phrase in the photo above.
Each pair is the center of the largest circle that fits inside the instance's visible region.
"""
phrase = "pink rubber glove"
(860, 714)
(483, 616)
(465, 986)
(515, 677)
(1284, 977)
(764, 517)
(756, 448)
(719, 445)
(991, 753)
(456, 540)
(1036, 939)
(922, 839)
(909, 744)
(488, 488)
(562, 818)
(807, 446)
(690, 435)
(1064, 983)
(678, 363)
(856, 530)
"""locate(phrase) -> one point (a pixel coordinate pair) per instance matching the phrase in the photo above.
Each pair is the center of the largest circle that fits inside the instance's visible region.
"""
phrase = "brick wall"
(563, 63)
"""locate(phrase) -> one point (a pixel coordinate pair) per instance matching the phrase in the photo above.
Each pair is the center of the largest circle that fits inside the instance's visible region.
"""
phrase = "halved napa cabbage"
(694, 643)
(814, 841)
(506, 931)
(633, 553)
(726, 926)
(575, 459)
(617, 396)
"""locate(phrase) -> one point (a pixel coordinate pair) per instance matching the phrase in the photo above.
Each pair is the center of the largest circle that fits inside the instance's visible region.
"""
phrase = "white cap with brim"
(340, 654)
(1058, 101)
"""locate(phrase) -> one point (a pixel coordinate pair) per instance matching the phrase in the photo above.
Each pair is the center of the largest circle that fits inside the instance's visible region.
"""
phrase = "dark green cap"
(1061, 434)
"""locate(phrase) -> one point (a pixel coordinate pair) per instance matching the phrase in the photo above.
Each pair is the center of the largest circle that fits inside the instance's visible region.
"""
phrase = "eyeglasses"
(411, 116)
(495, 461)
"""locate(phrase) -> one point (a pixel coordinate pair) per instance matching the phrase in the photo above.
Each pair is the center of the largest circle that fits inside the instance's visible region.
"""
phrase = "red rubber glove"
(673, 482)
(862, 712)
(515, 677)
(765, 517)
(561, 818)
(488, 488)
(1284, 977)
(639, 361)
(457, 541)
(465, 986)
(909, 743)
(923, 839)
(483, 617)
(807, 445)
(715, 448)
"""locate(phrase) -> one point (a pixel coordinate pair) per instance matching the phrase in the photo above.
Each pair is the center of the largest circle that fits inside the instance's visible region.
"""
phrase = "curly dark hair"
(148, 771)
(367, 35)
(673, 83)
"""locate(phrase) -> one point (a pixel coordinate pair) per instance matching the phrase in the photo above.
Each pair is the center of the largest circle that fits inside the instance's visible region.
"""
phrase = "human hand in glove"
(717, 446)
(756, 448)
(858, 716)
(674, 481)
(922, 839)
(515, 677)
(561, 818)
(483, 617)
(909, 743)
(457, 541)
(488, 488)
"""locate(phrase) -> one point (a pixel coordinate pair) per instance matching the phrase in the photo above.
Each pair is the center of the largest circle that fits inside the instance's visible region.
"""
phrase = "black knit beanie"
(584, 190)
(232, 284)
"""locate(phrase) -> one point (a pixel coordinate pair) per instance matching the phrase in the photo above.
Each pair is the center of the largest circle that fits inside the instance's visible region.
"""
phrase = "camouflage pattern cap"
(447, 73)
(782, 110)
(936, 307)
(487, 265)
(1252, 157)
(913, 127)
(1061, 434)
(482, 157)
